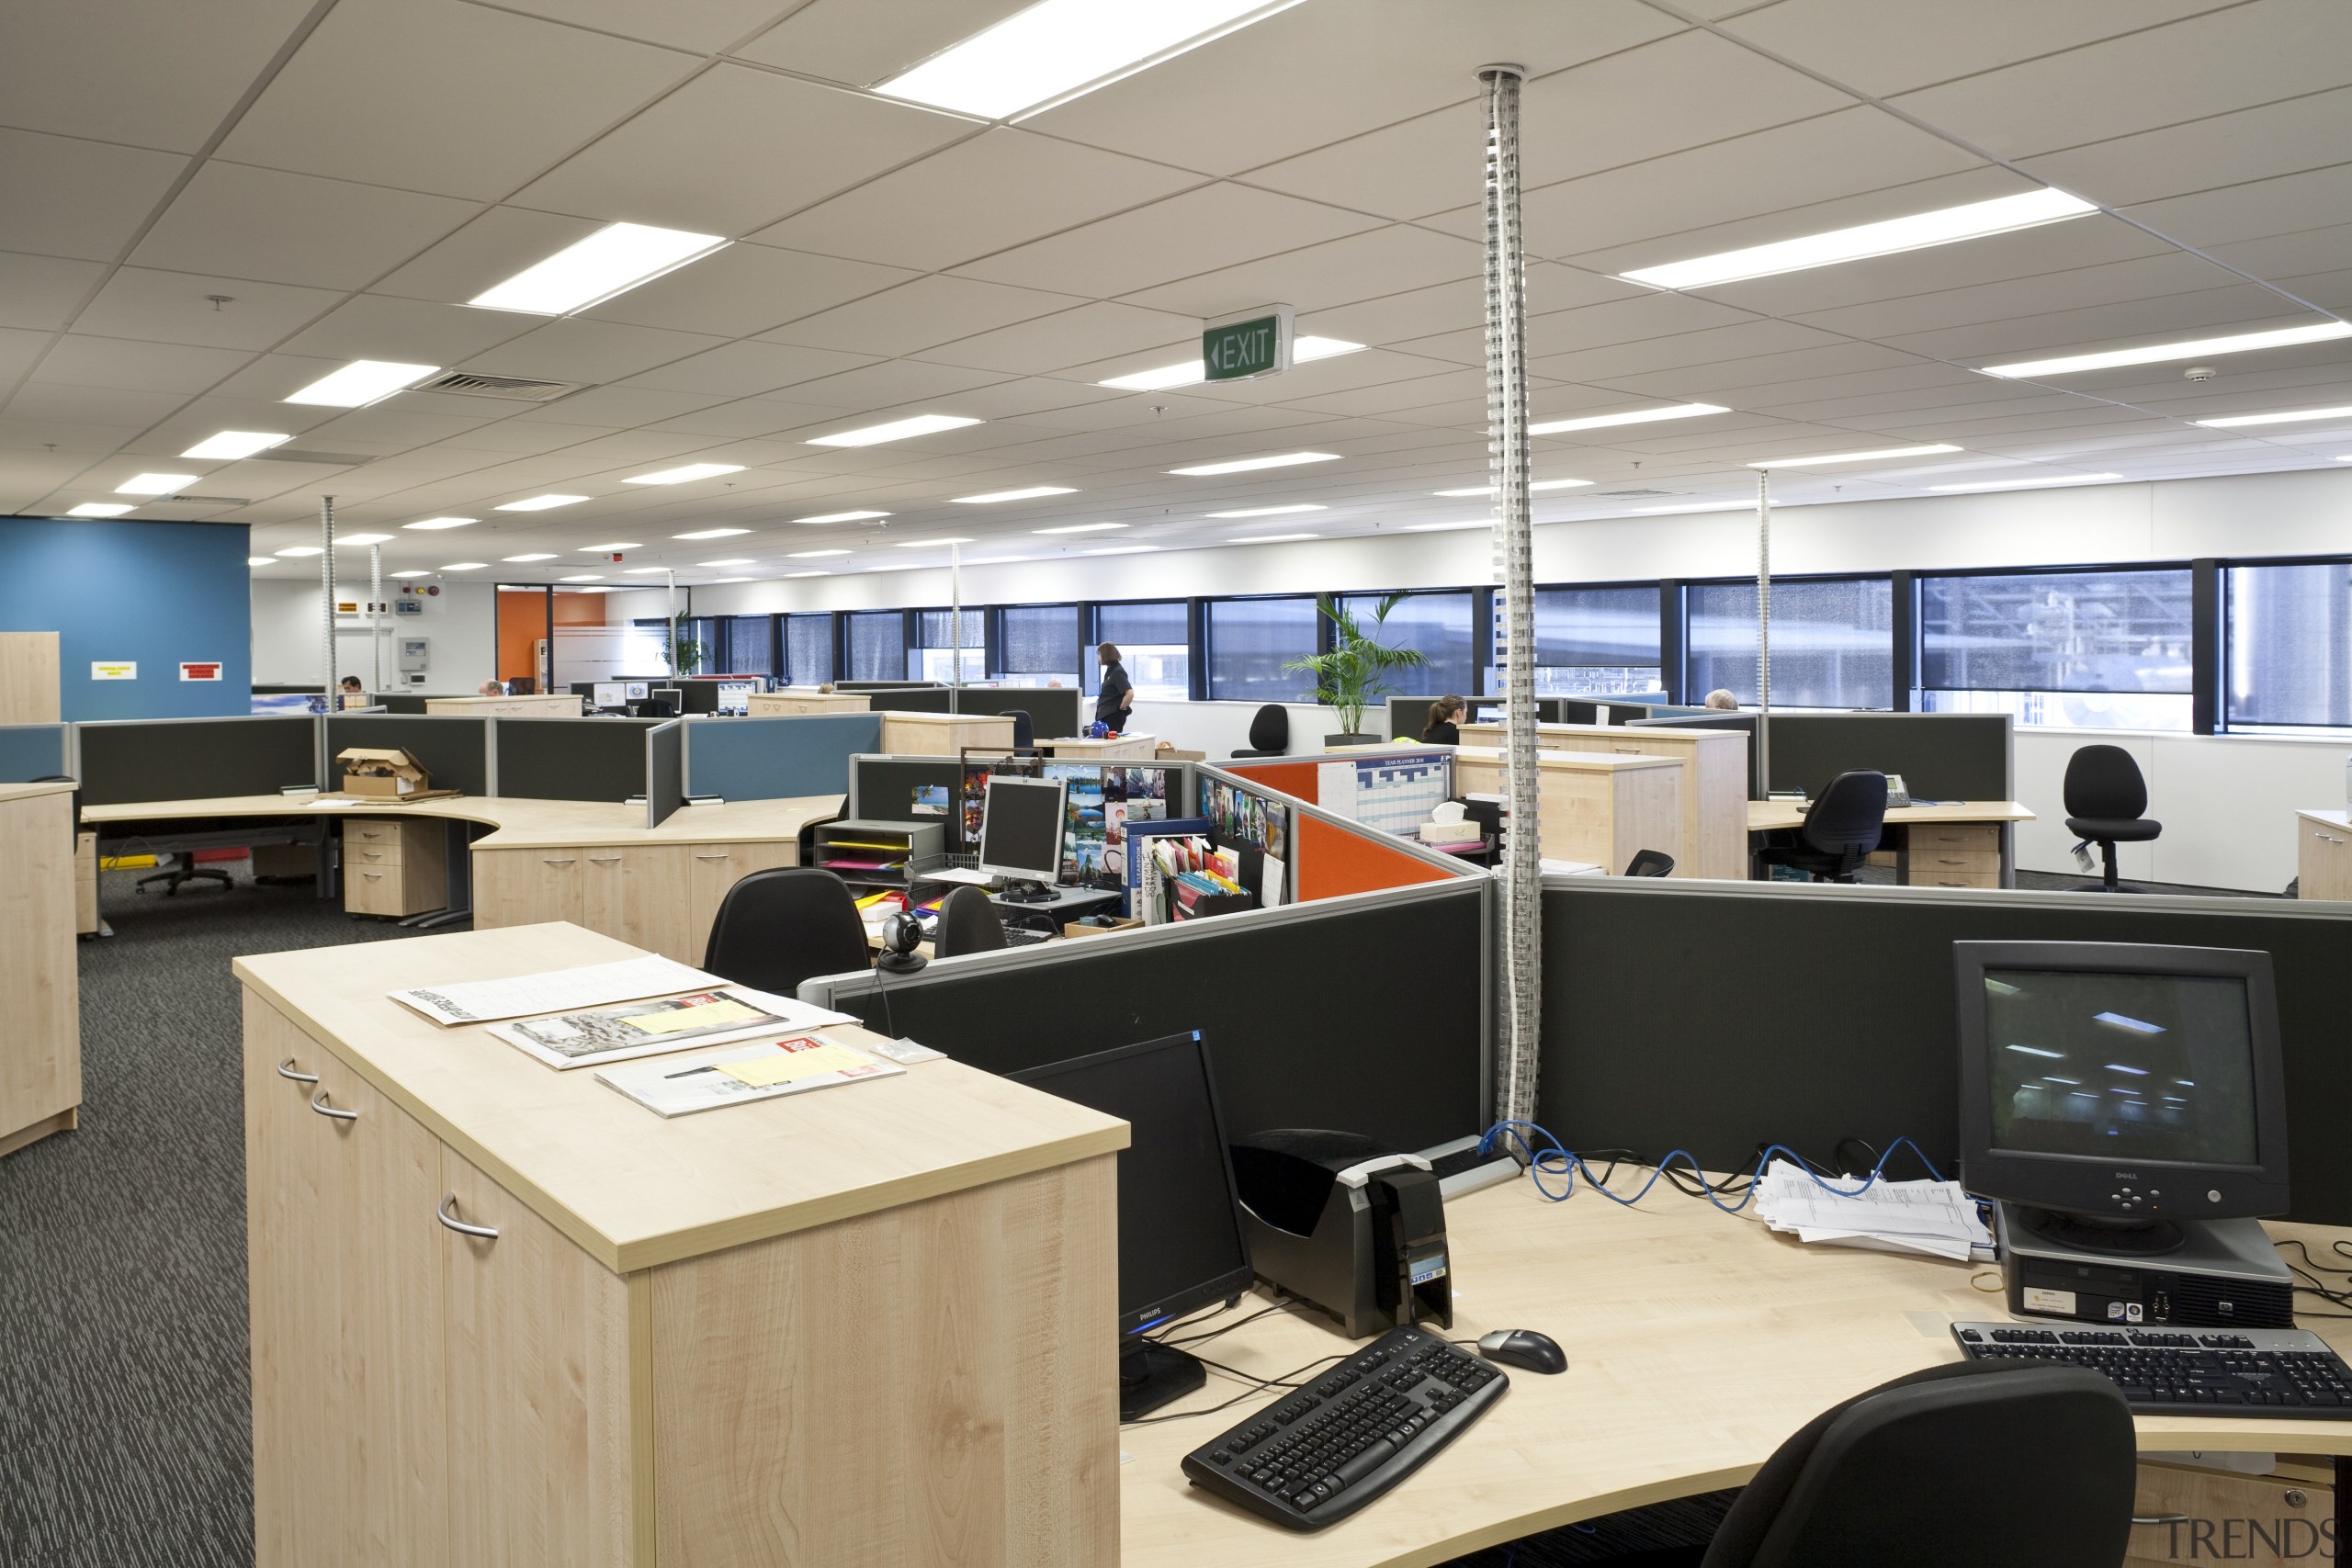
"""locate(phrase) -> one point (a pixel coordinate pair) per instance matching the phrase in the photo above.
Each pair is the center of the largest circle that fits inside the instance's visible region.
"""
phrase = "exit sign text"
(1256, 345)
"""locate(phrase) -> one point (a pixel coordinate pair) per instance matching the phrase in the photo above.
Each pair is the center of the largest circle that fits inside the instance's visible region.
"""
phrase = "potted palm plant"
(685, 652)
(1354, 670)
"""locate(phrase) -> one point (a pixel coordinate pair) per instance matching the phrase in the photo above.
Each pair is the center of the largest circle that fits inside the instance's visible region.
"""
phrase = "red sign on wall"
(210, 672)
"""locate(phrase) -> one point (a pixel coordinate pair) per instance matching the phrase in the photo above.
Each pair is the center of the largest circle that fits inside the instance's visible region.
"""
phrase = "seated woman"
(1445, 728)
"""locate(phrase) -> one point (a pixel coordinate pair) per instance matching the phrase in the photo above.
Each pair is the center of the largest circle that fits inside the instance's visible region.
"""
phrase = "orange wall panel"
(1334, 861)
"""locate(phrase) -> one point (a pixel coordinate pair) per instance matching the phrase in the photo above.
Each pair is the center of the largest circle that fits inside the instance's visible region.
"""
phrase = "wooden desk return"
(40, 1042)
(1714, 783)
(1962, 843)
(1595, 809)
(872, 1324)
(1696, 1342)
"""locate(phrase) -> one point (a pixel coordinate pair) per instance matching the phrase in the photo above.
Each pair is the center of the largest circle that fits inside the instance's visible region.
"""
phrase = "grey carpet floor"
(125, 1427)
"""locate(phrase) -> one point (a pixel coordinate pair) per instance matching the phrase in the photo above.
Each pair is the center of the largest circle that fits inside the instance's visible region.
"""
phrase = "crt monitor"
(2128, 1086)
(1021, 831)
(1182, 1245)
(609, 694)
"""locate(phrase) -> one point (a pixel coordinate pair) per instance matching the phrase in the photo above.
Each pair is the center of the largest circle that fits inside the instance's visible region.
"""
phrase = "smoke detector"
(2201, 373)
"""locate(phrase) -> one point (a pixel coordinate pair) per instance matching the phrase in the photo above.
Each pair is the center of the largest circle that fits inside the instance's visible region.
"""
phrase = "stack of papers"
(1934, 1218)
(735, 1075)
(598, 1035)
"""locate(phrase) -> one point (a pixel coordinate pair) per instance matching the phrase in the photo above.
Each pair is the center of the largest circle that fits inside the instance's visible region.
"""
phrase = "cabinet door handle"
(488, 1233)
(319, 1103)
(565, 861)
(2160, 1518)
(603, 860)
(285, 1070)
(721, 856)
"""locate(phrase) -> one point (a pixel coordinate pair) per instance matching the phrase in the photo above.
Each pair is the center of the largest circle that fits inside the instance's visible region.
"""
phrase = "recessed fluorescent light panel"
(1123, 550)
(1489, 489)
(1080, 528)
(272, 560)
(413, 574)
(1856, 456)
(1191, 372)
(842, 517)
(712, 534)
(542, 503)
(1270, 511)
(465, 566)
(814, 555)
(295, 552)
(1943, 226)
(1249, 465)
(995, 560)
(613, 260)
(100, 508)
(535, 555)
(154, 484)
(2293, 416)
(930, 543)
(612, 544)
(645, 572)
(731, 561)
(361, 382)
(896, 430)
(2158, 354)
(1032, 493)
(686, 475)
(1445, 527)
(431, 524)
(1747, 506)
(231, 443)
(585, 577)
(813, 573)
(363, 538)
(1059, 50)
(1272, 538)
(1637, 416)
(2042, 483)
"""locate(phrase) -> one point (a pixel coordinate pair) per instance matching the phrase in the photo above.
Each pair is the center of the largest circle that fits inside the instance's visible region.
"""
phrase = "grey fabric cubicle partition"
(193, 759)
(454, 748)
(30, 751)
(571, 759)
(1942, 756)
(769, 759)
(1709, 1017)
(666, 770)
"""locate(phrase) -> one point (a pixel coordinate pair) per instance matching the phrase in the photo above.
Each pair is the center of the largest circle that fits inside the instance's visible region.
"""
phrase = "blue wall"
(157, 592)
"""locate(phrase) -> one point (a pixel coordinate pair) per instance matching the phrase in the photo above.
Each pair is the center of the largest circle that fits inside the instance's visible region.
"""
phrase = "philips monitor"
(609, 694)
(735, 696)
(1021, 833)
(2112, 1089)
(1182, 1245)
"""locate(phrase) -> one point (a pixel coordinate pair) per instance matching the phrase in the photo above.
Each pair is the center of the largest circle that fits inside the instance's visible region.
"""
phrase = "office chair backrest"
(775, 929)
(968, 923)
(1488, 813)
(1270, 731)
(2046, 1450)
(2105, 782)
(523, 686)
(1849, 817)
(1650, 863)
(1024, 728)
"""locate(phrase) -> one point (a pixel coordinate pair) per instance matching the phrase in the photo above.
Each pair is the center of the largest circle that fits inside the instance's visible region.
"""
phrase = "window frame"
(1688, 588)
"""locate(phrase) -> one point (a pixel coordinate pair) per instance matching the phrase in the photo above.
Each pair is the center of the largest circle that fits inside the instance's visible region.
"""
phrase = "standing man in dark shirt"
(1117, 694)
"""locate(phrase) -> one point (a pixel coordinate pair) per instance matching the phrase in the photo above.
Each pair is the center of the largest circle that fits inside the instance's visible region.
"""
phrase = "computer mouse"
(1524, 1347)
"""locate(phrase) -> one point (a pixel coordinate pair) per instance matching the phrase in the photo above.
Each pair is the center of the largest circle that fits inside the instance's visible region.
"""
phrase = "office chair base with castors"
(2106, 802)
(185, 870)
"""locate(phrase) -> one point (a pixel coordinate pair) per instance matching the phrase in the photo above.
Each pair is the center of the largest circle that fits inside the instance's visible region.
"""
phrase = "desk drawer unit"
(395, 868)
(2186, 1515)
(1952, 855)
(2323, 859)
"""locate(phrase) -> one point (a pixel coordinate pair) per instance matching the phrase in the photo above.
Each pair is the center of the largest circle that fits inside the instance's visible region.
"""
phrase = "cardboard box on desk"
(368, 770)
(1075, 929)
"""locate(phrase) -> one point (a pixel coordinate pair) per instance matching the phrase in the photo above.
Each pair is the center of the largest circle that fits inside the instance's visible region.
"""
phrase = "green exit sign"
(1255, 345)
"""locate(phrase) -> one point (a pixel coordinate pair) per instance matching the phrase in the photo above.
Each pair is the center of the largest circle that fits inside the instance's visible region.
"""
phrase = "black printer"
(1347, 1226)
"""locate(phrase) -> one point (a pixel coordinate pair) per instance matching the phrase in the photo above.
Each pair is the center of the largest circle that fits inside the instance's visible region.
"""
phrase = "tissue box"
(1462, 832)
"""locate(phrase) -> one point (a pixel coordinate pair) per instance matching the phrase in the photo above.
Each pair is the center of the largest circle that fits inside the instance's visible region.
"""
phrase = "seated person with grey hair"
(490, 689)
(1721, 697)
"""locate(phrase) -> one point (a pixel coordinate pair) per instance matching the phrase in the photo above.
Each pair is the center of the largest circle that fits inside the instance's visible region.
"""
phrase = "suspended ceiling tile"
(500, 242)
(62, 197)
(882, 388)
(699, 25)
(2123, 321)
(431, 94)
(1713, 346)
(175, 307)
(1644, 318)
(744, 417)
(862, 42)
(735, 148)
(391, 426)
(2274, 257)
(1338, 271)
(49, 402)
(2328, 290)
(520, 436)
(1072, 337)
(2251, 144)
(1885, 47)
(748, 288)
(1245, 99)
(997, 190)
(919, 315)
(41, 293)
(1726, 379)
(2142, 277)
(416, 332)
(746, 369)
(286, 228)
(617, 408)
(172, 72)
(1215, 226)
(2222, 61)
(2255, 210)
(80, 360)
(577, 349)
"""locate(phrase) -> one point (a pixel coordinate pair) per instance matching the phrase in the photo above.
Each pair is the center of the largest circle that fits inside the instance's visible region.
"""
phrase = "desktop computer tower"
(2226, 1275)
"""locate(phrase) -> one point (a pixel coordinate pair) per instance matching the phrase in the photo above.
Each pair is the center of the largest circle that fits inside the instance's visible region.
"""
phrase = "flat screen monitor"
(2135, 1084)
(609, 694)
(1182, 1245)
(735, 696)
(1020, 830)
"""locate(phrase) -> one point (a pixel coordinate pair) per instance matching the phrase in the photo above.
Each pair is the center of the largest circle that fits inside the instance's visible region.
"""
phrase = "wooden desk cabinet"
(659, 896)
(1948, 854)
(768, 705)
(942, 734)
(1597, 809)
(396, 866)
(40, 1046)
(1714, 783)
(2322, 854)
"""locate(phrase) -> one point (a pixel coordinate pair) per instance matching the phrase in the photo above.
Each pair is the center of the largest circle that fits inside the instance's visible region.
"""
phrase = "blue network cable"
(1559, 1161)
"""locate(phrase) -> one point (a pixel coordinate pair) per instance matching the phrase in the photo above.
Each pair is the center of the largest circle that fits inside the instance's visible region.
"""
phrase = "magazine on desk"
(738, 1074)
(592, 1038)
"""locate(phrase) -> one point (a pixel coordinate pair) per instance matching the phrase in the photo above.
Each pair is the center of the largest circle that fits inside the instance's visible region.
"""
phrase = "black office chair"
(775, 929)
(968, 923)
(179, 870)
(1842, 826)
(523, 686)
(1650, 863)
(1024, 732)
(2105, 798)
(2047, 1451)
(1268, 732)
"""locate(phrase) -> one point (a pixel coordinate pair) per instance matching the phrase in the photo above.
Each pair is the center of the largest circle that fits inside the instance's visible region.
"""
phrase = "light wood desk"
(792, 701)
(1963, 843)
(538, 704)
(1714, 782)
(1696, 1343)
(587, 861)
(872, 1324)
(944, 734)
(1139, 746)
(1598, 808)
(2322, 854)
(40, 1042)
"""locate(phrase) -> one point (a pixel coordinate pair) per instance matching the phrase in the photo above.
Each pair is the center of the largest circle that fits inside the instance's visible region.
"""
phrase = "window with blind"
(2290, 645)
(808, 648)
(2090, 649)
(1250, 640)
(1037, 645)
(1833, 642)
(1435, 625)
(744, 645)
(1155, 642)
(878, 644)
(936, 644)
(1588, 640)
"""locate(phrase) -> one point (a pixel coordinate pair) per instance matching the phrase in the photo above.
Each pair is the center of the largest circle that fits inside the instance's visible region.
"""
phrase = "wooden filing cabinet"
(2322, 854)
(661, 896)
(40, 1050)
(85, 884)
(1950, 854)
(638, 893)
(395, 866)
(2206, 1515)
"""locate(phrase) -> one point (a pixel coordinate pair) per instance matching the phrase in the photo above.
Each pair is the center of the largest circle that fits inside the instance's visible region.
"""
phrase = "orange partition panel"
(1333, 860)
(1294, 779)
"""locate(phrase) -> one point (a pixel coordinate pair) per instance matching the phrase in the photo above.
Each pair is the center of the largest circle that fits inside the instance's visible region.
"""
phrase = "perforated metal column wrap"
(327, 587)
(1514, 562)
(375, 622)
(1764, 626)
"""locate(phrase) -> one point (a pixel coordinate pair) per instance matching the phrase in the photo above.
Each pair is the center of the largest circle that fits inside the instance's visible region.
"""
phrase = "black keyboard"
(1019, 936)
(1329, 1449)
(2265, 1372)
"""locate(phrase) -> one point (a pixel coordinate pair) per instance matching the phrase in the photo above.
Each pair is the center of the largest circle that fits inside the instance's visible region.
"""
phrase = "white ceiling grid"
(345, 173)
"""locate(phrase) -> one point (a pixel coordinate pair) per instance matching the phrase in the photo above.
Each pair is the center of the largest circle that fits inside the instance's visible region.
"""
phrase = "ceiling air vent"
(514, 389)
(185, 500)
(1635, 495)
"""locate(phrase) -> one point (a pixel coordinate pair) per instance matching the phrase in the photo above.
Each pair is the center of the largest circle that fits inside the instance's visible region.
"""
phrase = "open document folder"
(1934, 1218)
